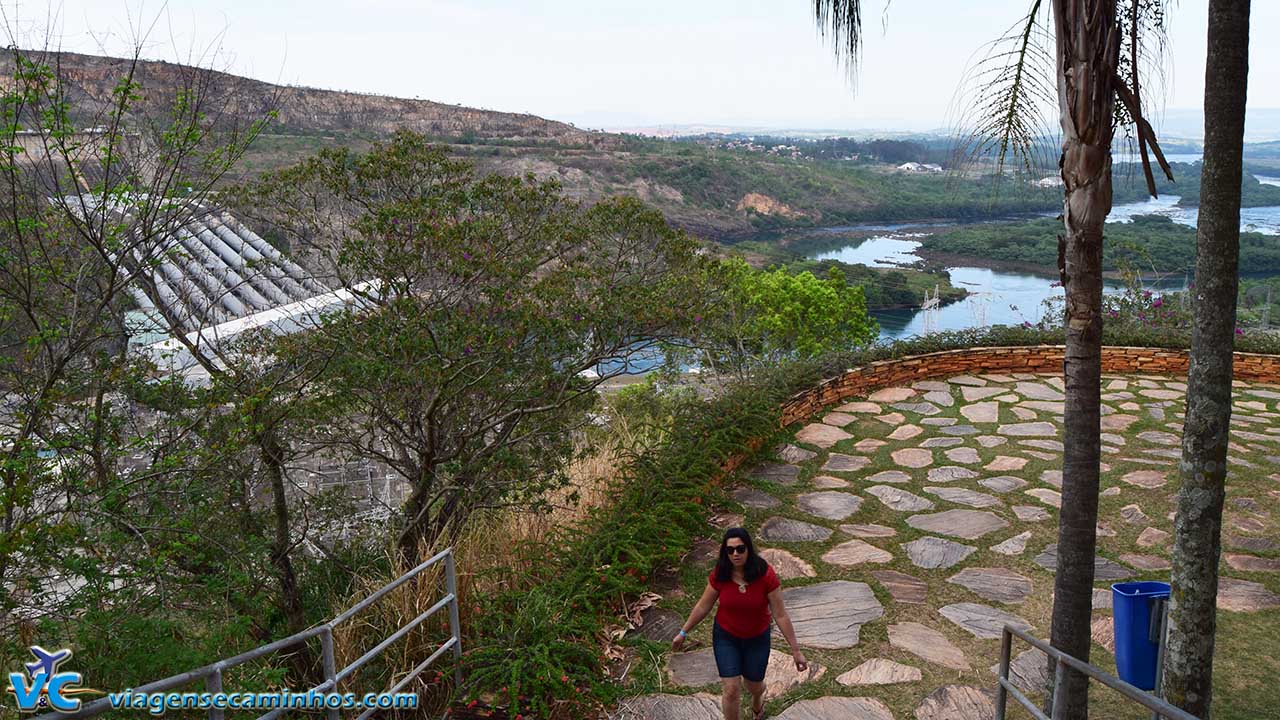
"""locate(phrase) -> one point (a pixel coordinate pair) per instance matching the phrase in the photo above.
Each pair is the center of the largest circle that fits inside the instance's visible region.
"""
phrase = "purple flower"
(697, 318)
(1239, 331)
(466, 255)
(1158, 302)
(577, 317)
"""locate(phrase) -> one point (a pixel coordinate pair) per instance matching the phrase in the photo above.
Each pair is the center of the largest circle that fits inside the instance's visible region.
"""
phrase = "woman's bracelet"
(683, 634)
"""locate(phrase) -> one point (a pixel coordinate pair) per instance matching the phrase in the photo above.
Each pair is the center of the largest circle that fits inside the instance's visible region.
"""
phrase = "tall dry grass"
(488, 556)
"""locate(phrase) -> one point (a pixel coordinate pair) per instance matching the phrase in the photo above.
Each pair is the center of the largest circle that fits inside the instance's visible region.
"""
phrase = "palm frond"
(841, 22)
(1007, 97)
(1143, 25)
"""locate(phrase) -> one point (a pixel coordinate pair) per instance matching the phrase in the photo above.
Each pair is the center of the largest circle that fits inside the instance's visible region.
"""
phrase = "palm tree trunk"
(1197, 529)
(1087, 54)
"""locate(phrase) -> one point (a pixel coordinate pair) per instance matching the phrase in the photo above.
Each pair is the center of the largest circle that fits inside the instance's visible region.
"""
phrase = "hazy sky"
(616, 63)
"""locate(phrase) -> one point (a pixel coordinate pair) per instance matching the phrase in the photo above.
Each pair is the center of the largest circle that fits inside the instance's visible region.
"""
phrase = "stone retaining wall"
(1027, 359)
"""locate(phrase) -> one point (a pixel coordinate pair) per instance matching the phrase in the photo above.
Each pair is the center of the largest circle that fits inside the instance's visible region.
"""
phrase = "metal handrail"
(1061, 660)
(212, 673)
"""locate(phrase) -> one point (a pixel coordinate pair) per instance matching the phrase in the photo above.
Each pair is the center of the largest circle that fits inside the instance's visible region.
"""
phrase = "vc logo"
(45, 687)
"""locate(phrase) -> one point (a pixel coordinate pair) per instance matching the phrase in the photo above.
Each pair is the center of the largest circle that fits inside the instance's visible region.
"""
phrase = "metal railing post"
(455, 625)
(212, 674)
(1059, 679)
(213, 684)
(330, 667)
(1158, 634)
(1002, 695)
(1062, 663)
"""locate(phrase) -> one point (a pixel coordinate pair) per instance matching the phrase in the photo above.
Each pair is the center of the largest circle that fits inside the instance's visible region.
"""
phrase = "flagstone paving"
(947, 473)
(856, 552)
(927, 644)
(957, 702)
(777, 472)
(898, 499)
(752, 498)
(902, 587)
(963, 496)
(995, 584)
(934, 553)
(828, 708)
(1145, 478)
(1003, 483)
(787, 530)
(982, 621)
(829, 504)
(1014, 545)
(868, 530)
(880, 671)
(912, 457)
(839, 462)
(889, 476)
(829, 615)
(907, 524)
(967, 524)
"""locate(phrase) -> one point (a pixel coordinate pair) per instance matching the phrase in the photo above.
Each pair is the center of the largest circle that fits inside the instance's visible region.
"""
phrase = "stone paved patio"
(909, 525)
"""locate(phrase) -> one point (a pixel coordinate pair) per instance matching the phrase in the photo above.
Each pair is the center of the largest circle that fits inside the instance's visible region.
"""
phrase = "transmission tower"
(930, 308)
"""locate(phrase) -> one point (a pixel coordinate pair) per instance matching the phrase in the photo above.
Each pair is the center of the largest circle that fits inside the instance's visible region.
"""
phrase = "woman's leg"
(755, 662)
(731, 697)
(728, 652)
(756, 688)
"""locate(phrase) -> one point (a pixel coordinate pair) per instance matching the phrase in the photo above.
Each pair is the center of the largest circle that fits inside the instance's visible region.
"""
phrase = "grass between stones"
(1247, 667)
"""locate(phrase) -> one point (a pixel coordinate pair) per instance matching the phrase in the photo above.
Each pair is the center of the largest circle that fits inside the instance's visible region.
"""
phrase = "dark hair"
(756, 565)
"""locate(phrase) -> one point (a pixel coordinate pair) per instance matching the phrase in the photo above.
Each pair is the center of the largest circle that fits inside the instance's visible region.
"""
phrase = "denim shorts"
(737, 656)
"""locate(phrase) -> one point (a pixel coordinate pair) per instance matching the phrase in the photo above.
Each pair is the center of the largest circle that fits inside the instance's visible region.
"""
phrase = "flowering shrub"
(1134, 308)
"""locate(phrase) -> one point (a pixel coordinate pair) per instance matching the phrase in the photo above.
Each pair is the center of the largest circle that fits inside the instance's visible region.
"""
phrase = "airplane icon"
(46, 662)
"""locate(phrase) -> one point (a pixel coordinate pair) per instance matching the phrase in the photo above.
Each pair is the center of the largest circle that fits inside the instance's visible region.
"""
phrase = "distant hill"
(90, 80)
(721, 194)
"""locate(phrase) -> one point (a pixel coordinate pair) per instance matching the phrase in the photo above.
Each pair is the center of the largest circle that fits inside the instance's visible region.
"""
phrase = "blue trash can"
(1136, 655)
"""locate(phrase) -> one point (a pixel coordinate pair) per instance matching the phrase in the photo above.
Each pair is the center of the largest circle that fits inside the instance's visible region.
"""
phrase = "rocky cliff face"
(90, 81)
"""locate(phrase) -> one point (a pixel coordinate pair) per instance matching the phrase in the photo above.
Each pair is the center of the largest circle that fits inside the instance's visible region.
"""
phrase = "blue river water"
(997, 297)
(1000, 297)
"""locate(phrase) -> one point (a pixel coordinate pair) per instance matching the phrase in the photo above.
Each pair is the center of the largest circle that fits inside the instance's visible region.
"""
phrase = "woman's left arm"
(781, 617)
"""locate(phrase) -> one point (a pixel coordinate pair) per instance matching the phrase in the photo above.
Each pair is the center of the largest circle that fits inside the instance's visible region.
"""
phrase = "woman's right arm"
(700, 610)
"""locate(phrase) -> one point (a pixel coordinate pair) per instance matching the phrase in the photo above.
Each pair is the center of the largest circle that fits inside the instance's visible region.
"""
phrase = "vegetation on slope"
(1151, 243)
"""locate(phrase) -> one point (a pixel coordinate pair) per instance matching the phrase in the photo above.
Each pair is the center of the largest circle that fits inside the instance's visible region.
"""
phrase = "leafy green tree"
(771, 315)
(108, 491)
(490, 310)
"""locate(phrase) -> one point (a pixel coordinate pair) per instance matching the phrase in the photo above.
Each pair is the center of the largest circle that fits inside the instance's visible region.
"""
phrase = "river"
(999, 297)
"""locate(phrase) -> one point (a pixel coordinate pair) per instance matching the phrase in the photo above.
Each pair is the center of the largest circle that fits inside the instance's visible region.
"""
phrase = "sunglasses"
(735, 549)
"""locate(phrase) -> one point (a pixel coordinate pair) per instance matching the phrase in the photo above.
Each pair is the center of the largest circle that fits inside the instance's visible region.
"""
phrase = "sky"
(622, 64)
